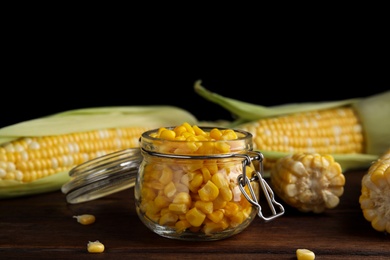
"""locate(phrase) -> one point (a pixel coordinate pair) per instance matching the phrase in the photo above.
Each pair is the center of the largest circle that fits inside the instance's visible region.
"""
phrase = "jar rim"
(242, 134)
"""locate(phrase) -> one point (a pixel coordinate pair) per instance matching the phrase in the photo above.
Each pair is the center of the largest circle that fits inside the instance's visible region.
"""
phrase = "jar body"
(189, 190)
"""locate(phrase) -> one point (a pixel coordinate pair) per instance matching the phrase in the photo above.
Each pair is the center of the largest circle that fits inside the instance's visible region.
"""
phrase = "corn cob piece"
(309, 182)
(354, 131)
(375, 194)
(36, 155)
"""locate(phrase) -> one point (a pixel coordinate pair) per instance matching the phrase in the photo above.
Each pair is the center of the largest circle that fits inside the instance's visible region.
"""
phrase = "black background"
(53, 69)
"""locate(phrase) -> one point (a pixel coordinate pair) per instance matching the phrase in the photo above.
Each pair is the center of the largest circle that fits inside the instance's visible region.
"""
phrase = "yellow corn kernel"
(170, 190)
(231, 209)
(179, 130)
(229, 134)
(178, 208)
(195, 217)
(189, 128)
(206, 174)
(182, 225)
(168, 219)
(206, 148)
(148, 194)
(205, 206)
(219, 202)
(375, 190)
(199, 132)
(208, 192)
(308, 182)
(166, 175)
(216, 216)
(214, 227)
(305, 254)
(226, 193)
(237, 219)
(215, 134)
(182, 198)
(222, 147)
(85, 219)
(167, 134)
(150, 207)
(219, 180)
(95, 247)
(212, 167)
(161, 201)
(196, 182)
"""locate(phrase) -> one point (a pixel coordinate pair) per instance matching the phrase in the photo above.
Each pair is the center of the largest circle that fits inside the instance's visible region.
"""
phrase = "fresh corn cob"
(309, 182)
(354, 131)
(36, 155)
(329, 131)
(375, 194)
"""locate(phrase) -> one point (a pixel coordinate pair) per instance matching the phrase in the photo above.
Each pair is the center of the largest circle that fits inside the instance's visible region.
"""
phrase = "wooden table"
(43, 227)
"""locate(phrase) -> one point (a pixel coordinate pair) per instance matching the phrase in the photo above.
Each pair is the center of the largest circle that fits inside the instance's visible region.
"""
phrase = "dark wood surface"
(43, 227)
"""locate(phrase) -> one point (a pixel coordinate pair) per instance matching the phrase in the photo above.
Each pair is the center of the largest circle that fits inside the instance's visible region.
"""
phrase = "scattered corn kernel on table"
(43, 227)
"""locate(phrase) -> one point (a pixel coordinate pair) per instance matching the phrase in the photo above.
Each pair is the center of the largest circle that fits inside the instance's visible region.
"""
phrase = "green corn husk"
(82, 120)
(373, 112)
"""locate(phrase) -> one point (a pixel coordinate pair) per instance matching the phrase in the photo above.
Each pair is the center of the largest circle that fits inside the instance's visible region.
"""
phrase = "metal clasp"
(243, 180)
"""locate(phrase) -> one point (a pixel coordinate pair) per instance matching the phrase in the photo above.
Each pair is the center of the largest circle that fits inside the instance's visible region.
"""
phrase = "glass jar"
(200, 189)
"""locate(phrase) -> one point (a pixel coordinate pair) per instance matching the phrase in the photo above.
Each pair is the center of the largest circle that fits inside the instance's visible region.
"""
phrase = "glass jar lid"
(102, 176)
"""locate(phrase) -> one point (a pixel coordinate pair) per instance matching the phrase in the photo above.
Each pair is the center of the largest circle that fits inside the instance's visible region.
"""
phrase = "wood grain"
(43, 227)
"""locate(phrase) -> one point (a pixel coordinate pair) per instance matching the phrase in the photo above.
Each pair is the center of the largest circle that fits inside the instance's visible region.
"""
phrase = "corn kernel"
(237, 218)
(215, 134)
(188, 128)
(219, 203)
(205, 206)
(85, 219)
(212, 227)
(196, 182)
(226, 193)
(231, 209)
(182, 198)
(178, 208)
(95, 247)
(195, 217)
(219, 180)
(305, 254)
(182, 225)
(216, 216)
(168, 219)
(206, 174)
(170, 190)
(161, 201)
(168, 134)
(166, 175)
(208, 192)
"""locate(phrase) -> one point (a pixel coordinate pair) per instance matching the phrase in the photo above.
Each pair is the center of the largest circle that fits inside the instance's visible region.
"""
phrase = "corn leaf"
(374, 114)
(244, 111)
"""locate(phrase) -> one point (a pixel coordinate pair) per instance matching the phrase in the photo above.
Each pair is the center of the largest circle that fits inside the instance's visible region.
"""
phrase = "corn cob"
(36, 155)
(375, 194)
(354, 131)
(309, 182)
